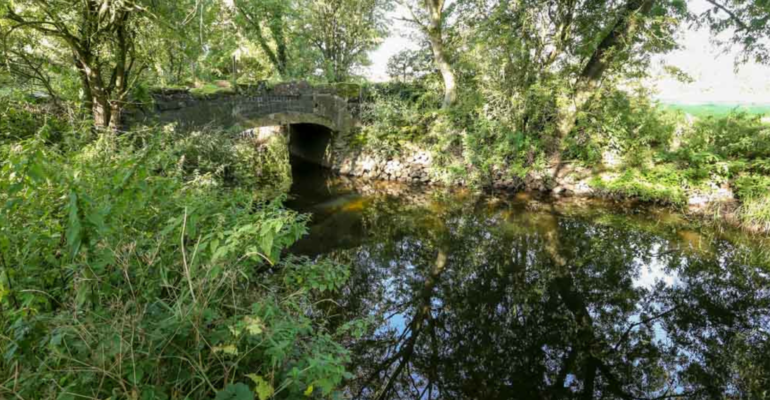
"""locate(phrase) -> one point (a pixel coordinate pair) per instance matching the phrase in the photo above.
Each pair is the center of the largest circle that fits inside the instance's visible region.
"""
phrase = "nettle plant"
(123, 277)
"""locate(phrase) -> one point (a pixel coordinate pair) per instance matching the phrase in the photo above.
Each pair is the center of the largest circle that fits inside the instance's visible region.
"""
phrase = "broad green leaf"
(237, 391)
(35, 171)
(266, 244)
(264, 389)
(227, 349)
(254, 325)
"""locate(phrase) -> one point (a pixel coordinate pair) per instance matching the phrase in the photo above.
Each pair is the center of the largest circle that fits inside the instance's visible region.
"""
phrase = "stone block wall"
(289, 103)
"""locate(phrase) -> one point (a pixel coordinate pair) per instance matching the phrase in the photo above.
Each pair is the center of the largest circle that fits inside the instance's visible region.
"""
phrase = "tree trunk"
(101, 111)
(440, 57)
(100, 98)
(278, 59)
(450, 88)
(103, 101)
(88, 99)
(616, 40)
(119, 81)
(116, 112)
(277, 31)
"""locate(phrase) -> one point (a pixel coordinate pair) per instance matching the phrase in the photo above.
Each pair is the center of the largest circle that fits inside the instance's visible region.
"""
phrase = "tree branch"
(743, 26)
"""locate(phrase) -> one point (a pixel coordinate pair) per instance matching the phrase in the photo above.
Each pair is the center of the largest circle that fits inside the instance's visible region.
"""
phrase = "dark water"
(510, 297)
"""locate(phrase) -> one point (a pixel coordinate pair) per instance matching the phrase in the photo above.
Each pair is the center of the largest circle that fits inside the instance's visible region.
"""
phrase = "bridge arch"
(311, 142)
(308, 141)
(292, 118)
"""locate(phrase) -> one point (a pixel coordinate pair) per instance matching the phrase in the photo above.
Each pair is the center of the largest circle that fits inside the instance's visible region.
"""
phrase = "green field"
(717, 109)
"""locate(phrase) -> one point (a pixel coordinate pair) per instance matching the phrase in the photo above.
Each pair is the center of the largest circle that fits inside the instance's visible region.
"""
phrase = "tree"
(541, 62)
(431, 18)
(101, 36)
(749, 22)
(343, 31)
(407, 65)
(619, 37)
(541, 66)
(272, 14)
(191, 40)
(27, 63)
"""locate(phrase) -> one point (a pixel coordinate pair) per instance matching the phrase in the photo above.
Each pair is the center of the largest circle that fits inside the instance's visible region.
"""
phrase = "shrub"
(736, 135)
(216, 157)
(754, 192)
(391, 120)
(20, 120)
(124, 275)
(662, 184)
(628, 123)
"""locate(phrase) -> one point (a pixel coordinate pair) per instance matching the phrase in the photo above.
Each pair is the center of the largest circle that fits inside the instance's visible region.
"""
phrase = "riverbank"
(711, 201)
(624, 147)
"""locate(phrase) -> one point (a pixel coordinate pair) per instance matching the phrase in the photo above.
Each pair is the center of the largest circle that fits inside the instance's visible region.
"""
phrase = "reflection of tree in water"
(472, 303)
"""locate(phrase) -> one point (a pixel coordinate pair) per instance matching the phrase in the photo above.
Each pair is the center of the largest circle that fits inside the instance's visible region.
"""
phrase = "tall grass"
(148, 266)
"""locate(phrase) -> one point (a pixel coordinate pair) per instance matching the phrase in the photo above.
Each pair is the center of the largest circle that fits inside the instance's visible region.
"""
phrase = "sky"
(716, 79)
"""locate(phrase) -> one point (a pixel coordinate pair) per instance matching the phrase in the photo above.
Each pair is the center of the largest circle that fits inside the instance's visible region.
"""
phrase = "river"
(465, 296)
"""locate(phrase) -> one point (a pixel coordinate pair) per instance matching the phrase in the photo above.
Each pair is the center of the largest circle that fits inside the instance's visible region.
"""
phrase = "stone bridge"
(285, 104)
(312, 116)
(316, 121)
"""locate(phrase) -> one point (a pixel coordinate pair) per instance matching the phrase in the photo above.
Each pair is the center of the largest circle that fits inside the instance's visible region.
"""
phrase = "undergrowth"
(145, 266)
(632, 147)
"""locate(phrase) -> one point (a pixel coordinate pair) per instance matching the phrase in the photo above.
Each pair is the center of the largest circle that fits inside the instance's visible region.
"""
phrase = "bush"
(126, 273)
(661, 184)
(752, 186)
(726, 146)
(626, 123)
(391, 120)
(20, 120)
(221, 158)
(754, 192)
(737, 135)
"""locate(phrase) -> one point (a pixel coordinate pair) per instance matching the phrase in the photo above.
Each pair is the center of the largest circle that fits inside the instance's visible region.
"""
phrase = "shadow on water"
(484, 297)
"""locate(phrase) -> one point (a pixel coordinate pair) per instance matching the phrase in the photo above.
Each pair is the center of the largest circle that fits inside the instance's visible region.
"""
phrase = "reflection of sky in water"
(654, 271)
(659, 264)
(396, 321)
(652, 274)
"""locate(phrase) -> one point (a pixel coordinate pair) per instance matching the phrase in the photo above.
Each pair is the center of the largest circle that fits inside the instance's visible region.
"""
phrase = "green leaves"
(254, 325)
(103, 280)
(74, 225)
(264, 389)
(330, 22)
(238, 391)
(322, 275)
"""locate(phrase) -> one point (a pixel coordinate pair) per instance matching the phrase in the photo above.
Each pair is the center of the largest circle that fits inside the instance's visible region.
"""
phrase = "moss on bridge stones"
(348, 91)
(224, 107)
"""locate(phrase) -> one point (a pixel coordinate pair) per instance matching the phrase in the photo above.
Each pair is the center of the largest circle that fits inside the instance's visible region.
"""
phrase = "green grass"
(717, 109)
(160, 88)
(210, 89)
(661, 184)
(755, 213)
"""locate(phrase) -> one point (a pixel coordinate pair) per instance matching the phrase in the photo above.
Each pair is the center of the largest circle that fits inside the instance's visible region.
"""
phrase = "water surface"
(514, 297)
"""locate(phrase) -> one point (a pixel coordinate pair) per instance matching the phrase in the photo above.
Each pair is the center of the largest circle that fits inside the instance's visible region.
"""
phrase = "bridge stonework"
(284, 104)
(290, 110)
